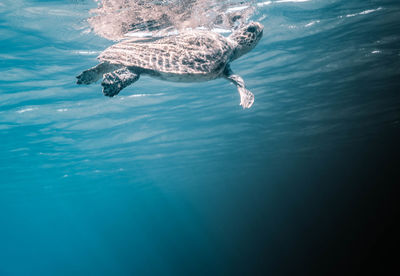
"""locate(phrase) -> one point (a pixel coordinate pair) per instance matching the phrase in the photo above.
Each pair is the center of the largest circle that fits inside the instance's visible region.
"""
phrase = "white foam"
(237, 9)
(27, 110)
(364, 12)
(84, 52)
(145, 95)
(264, 3)
(288, 1)
(311, 23)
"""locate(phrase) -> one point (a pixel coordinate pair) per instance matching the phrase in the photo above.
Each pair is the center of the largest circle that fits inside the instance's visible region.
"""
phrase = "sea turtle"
(195, 55)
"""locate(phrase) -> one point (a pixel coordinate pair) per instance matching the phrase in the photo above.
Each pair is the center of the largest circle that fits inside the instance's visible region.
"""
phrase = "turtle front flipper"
(246, 97)
(117, 80)
(95, 73)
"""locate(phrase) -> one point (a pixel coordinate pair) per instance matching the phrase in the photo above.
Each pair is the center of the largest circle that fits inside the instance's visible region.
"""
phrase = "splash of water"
(117, 19)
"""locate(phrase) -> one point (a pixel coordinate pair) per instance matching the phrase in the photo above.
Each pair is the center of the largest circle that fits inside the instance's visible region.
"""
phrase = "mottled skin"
(188, 57)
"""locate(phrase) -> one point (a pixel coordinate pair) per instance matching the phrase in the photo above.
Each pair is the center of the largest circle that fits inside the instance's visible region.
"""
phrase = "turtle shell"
(195, 52)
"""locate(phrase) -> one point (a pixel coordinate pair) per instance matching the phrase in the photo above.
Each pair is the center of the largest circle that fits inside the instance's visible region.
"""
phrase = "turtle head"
(246, 38)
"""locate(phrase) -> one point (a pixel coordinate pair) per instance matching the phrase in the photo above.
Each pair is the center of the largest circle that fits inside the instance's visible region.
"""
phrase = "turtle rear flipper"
(117, 80)
(246, 97)
(95, 73)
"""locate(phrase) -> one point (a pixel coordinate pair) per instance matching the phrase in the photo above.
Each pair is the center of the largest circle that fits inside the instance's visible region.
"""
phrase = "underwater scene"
(178, 173)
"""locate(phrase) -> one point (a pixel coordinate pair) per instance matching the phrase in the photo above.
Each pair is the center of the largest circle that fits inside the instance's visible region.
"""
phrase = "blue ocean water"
(177, 179)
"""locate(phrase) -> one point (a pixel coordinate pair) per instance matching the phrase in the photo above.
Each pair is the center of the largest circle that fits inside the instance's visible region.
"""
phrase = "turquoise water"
(176, 179)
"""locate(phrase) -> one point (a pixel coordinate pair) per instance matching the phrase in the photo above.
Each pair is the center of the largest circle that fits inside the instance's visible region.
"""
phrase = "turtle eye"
(251, 29)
